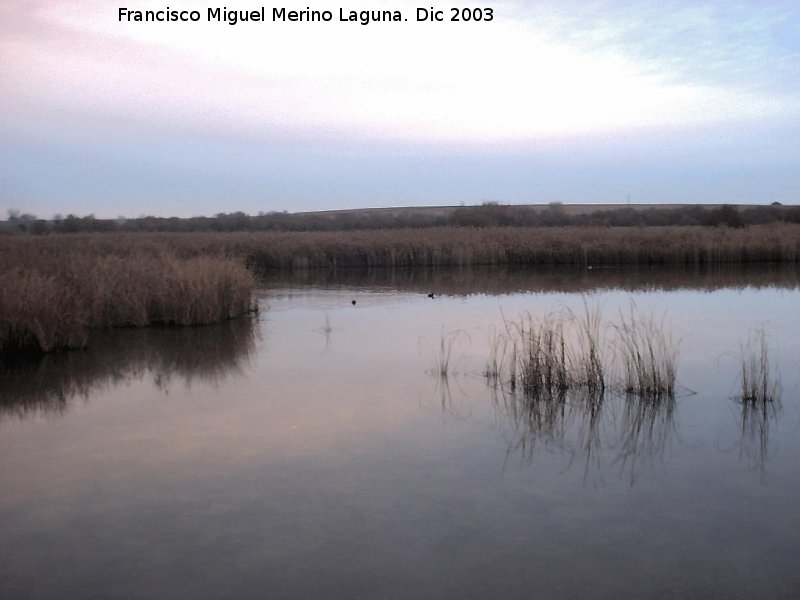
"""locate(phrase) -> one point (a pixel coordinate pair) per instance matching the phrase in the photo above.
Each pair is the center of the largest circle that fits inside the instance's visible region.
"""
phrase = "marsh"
(315, 450)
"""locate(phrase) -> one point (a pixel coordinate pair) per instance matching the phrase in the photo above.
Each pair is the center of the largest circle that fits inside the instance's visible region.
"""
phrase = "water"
(314, 452)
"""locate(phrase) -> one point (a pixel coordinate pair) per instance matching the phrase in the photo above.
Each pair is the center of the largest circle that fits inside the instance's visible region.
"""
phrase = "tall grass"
(759, 398)
(548, 356)
(443, 356)
(453, 246)
(52, 297)
(572, 351)
(589, 354)
(542, 361)
(758, 383)
(648, 355)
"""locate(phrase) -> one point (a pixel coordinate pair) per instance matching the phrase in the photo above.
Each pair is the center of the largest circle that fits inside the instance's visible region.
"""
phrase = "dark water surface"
(314, 453)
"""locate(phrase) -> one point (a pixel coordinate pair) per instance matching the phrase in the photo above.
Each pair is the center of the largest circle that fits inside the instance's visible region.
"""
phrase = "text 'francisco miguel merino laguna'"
(282, 15)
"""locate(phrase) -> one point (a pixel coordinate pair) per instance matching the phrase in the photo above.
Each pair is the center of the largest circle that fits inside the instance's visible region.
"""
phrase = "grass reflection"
(756, 419)
(47, 386)
(598, 431)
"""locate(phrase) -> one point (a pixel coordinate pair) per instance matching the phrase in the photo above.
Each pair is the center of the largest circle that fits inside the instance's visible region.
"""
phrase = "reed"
(572, 351)
(542, 364)
(51, 297)
(758, 384)
(448, 246)
(648, 355)
(549, 356)
(589, 353)
(443, 357)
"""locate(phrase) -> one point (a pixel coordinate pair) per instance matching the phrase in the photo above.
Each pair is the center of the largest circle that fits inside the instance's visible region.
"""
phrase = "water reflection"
(508, 280)
(596, 431)
(646, 431)
(756, 418)
(207, 354)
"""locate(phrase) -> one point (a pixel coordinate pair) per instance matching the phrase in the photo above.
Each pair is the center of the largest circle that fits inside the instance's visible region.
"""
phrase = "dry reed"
(570, 351)
(547, 357)
(648, 355)
(443, 358)
(758, 384)
(52, 295)
(450, 246)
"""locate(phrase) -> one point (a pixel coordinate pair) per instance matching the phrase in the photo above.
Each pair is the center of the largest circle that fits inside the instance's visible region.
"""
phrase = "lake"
(318, 452)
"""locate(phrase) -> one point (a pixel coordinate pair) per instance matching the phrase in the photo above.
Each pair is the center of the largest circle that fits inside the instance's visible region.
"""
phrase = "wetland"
(344, 441)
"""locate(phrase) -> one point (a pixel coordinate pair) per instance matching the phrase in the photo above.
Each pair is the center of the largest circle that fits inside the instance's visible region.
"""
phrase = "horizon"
(691, 103)
(15, 214)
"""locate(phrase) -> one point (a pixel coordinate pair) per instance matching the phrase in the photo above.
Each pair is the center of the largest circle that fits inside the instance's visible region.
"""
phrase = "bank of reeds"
(51, 296)
(55, 288)
(452, 246)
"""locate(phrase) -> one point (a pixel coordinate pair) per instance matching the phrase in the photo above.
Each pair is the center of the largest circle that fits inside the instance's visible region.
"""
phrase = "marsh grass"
(758, 383)
(449, 246)
(573, 351)
(647, 355)
(589, 353)
(51, 299)
(550, 355)
(444, 365)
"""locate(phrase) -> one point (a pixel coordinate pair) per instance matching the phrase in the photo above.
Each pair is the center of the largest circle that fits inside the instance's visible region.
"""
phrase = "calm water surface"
(313, 453)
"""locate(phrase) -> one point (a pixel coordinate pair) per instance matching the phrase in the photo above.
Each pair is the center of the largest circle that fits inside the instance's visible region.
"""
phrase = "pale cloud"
(576, 101)
(520, 78)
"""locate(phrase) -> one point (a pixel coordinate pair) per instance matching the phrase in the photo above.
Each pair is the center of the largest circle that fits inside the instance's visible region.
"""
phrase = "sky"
(550, 101)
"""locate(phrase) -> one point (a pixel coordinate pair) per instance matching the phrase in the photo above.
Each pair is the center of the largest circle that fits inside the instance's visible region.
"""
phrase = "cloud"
(528, 76)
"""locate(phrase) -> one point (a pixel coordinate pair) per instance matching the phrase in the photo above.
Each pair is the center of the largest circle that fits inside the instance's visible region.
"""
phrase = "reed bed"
(448, 246)
(52, 295)
(55, 288)
(454, 246)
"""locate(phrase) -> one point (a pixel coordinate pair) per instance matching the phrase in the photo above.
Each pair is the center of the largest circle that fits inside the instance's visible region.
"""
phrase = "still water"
(314, 452)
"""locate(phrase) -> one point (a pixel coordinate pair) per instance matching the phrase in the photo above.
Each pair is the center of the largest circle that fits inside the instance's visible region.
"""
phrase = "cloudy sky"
(591, 102)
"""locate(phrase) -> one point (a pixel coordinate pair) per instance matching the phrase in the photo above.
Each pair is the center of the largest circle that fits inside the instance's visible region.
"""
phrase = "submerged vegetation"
(52, 294)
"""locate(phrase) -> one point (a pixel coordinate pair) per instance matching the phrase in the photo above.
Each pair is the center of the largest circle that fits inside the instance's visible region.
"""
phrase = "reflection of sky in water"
(323, 460)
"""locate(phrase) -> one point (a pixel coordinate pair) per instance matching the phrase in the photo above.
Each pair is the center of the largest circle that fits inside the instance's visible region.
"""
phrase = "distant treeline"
(490, 214)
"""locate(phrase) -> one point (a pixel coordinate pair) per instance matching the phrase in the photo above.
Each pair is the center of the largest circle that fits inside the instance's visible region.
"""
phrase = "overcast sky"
(591, 102)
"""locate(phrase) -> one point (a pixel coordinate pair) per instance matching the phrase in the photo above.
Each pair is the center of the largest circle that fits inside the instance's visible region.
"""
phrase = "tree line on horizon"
(488, 214)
